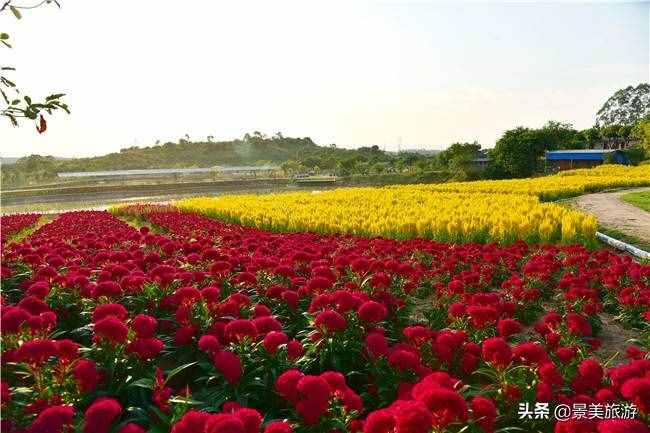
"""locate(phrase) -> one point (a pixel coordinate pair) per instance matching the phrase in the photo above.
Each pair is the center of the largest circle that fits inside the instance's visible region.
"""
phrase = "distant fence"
(168, 171)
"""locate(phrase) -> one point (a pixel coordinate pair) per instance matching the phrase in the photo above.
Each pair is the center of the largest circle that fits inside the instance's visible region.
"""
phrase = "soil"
(611, 211)
(614, 339)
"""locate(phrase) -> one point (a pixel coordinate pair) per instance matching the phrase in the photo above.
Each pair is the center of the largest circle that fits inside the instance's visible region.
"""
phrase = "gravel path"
(611, 211)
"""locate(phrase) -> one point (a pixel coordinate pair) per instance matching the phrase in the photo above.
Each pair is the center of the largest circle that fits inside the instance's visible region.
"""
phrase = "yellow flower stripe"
(564, 184)
(500, 211)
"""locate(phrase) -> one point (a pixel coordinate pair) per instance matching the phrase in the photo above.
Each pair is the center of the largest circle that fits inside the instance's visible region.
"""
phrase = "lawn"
(639, 199)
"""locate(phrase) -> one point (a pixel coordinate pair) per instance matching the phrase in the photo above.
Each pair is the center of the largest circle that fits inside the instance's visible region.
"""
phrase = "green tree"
(519, 152)
(291, 167)
(641, 131)
(558, 135)
(459, 154)
(379, 168)
(590, 136)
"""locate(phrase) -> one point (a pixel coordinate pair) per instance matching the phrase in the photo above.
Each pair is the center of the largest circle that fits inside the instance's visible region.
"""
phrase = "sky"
(355, 73)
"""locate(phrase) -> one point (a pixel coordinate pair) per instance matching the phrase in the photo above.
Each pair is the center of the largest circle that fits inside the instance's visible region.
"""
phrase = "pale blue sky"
(352, 73)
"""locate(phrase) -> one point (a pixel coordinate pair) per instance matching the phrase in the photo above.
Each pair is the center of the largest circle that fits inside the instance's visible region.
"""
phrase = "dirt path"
(610, 211)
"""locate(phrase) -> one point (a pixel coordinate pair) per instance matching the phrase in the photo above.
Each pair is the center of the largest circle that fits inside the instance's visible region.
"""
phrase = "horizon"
(426, 74)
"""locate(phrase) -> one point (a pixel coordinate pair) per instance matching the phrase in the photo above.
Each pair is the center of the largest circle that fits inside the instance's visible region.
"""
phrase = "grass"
(22, 234)
(639, 199)
(619, 235)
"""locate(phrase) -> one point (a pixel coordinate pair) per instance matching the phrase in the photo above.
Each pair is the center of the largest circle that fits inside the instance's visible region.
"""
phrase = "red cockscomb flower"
(192, 422)
(371, 311)
(144, 326)
(287, 384)
(278, 427)
(36, 351)
(105, 310)
(508, 327)
(404, 360)
(496, 351)
(86, 374)
(111, 329)
(295, 349)
(54, 419)
(274, 339)
(101, 414)
(209, 344)
(330, 321)
(484, 413)
(229, 365)
(239, 330)
(145, 348)
(412, 417)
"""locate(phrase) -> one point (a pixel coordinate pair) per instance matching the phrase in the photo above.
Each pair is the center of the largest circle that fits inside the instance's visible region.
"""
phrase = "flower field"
(160, 320)
(403, 212)
(502, 211)
(13, 224)
(564, 184)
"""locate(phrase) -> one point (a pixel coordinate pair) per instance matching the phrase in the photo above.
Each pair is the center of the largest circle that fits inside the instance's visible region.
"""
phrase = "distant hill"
(187, 154)
(9, 160)
(299, 154)
(625, 106)
(251, 150)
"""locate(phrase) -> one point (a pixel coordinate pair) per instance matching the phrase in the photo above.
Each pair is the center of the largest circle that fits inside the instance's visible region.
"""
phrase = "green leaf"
(4, 36)
(185, 401)
(7, 82)
(28, 100)
(163, 416)
(178, 369)
(55, 96)
(16, 12)
(143, 383)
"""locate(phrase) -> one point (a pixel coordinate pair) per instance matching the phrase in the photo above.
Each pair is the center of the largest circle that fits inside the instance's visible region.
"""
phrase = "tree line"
(518, 153)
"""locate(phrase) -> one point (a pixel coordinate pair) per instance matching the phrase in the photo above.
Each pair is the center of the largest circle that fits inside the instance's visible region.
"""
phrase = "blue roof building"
(584, 158)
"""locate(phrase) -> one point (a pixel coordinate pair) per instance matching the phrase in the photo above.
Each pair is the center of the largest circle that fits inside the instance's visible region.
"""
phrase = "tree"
(15, 104)
(459, 153)
(311, 161)
(291, 167)
(519, 152)
(558, 135)
(30, 169)
(641, 131)
(590, 136)
(379, 168)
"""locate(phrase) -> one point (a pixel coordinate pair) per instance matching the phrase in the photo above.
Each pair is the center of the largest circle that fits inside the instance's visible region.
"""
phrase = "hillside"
(297, 153)
(185, 154)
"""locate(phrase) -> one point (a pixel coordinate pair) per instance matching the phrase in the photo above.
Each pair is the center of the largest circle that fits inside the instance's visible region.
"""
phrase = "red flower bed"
(12, 224)
(211, 327)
